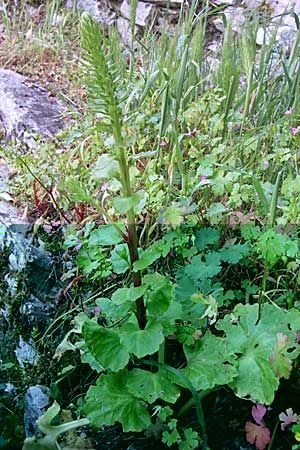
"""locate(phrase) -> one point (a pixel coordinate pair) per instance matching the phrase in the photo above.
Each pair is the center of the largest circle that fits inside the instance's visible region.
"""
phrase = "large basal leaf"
(151, 386)
(110, 401)
(105, 346)
(141, 342)
(253, 344)
(209, 363)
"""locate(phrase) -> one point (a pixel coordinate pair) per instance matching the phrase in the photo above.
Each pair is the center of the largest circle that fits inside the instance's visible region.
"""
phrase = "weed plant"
(180, 173)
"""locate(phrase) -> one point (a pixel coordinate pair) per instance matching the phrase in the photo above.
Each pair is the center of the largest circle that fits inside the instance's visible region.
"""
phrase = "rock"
(263, 35)
(35, 312)
(27, 109)
(143, 12)
(8, 213)
(26, 353)
(36, 402)
(168, 4)
(235, 15)
(277, 10)
(98, 9)
(253, 4)
(224, 2)
(9, 388)
(123, 27)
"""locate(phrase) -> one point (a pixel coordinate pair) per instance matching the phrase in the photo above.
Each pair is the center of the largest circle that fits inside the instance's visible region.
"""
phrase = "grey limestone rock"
(26, 109)
(98, 9)
(143, 12)
(26, 353)
(36, 402)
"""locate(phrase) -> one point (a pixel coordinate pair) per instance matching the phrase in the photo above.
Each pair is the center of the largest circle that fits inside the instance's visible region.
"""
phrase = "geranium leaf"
(172, 215)
(258, 435)
(199, 269)
(151, 386)
(234, 253)
(253, 345)
(209, 363)
(110, 401)
(205, 237)
(159, 294)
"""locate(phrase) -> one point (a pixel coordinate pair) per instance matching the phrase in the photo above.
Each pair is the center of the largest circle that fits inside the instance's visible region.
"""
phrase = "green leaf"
(253, 346)
(215, 209)
(191, 440)
(136, 201)
(210, 363)
(120, 259)
(205, 237)
(110, 309)
(272, 245)
(291, 248)
(199, 269)
(131, 294)
(159, 294)
(172, 215)
(87, 358)
(141, 342)
(106, 235)
(110, 401)
(78, 190)
(154, 252)
(104, 344)
(106, 167)
(234, 253)
(170, 438)
(89, 259)
(151, 386)
(185, 288)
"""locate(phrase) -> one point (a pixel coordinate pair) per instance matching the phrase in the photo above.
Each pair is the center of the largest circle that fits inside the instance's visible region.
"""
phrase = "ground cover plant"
(184, 261)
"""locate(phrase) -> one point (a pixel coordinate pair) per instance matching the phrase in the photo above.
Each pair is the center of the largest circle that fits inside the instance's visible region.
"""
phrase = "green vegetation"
(177, 210)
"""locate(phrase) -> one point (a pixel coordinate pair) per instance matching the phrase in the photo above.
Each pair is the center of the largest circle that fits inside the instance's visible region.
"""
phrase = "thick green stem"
(132, 243)
(132, 239)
